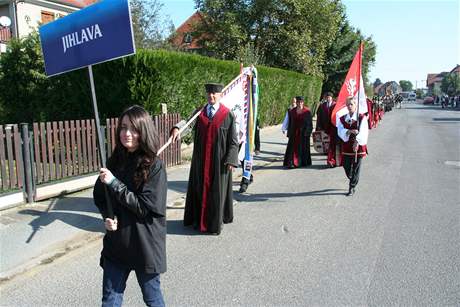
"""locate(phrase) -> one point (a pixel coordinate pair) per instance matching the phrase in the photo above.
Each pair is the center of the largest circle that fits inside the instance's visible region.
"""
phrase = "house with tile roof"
(183, 38)
(26, 15)
(434, 81)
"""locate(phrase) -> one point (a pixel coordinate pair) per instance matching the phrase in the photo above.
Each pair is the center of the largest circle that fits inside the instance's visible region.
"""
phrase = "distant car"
(412, 97)
(428, 100)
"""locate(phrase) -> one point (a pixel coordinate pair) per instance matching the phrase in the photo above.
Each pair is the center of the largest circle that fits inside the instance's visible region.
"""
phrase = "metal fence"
(53, 151)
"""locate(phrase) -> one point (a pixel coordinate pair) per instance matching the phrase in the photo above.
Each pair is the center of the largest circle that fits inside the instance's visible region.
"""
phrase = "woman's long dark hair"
(146, 153)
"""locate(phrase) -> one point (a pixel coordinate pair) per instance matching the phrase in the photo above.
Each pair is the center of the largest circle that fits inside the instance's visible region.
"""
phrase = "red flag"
(353, 86)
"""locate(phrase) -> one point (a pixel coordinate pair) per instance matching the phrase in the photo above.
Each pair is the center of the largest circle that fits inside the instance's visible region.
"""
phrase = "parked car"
(412, 97)
(428, 100)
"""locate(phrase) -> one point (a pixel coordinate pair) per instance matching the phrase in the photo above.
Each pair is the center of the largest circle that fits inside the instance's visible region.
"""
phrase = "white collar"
(354, 116)
(215, 106)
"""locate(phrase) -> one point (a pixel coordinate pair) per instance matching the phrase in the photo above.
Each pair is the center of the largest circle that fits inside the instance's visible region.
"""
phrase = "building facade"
(27, 15)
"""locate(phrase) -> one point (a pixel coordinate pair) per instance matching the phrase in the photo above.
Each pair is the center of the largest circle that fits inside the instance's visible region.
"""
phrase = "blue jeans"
(114, 285)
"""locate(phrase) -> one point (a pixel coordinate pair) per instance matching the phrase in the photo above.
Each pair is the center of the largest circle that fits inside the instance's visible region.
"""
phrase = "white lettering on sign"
(77, 38)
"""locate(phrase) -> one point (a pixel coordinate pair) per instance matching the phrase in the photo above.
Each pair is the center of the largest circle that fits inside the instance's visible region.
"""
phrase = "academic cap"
(299, 98)
(213, 87)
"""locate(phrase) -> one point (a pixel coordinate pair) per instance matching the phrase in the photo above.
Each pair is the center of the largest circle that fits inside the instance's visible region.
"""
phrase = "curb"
(60, 249)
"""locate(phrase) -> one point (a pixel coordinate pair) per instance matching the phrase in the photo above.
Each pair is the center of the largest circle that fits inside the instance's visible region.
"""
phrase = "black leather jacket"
(140, 241)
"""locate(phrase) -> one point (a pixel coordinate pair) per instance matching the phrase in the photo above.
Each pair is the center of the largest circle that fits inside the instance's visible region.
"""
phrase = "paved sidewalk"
(36, 234)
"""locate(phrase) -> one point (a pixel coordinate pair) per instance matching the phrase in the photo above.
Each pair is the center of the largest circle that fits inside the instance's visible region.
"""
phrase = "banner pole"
(99, 138)
(162, 148)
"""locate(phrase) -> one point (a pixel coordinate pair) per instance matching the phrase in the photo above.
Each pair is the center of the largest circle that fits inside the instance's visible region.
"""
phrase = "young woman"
(136, 235)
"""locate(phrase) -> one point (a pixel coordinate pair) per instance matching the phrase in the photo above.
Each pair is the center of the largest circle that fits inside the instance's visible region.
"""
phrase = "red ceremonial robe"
(324, 123)
(299, 131)
(370, 117)
(209, 201)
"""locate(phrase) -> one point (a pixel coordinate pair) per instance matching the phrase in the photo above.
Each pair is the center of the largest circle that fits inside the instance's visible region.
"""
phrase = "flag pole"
(359, 91)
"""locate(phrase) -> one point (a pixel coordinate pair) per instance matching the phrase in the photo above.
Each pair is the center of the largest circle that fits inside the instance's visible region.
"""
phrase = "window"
(47, 17)
(188, 38)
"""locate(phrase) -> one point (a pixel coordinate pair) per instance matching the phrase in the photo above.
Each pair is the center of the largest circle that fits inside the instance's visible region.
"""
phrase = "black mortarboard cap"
(213, 87)
(328, 94)
(299, 98)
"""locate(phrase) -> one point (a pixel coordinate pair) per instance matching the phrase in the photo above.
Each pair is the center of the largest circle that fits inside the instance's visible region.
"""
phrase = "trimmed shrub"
(148, 78)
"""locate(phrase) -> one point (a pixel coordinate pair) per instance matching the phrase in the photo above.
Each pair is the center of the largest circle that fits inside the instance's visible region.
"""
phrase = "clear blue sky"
(413, 37)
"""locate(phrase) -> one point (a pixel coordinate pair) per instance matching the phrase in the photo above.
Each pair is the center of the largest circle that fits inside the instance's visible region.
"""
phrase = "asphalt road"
(298, 241)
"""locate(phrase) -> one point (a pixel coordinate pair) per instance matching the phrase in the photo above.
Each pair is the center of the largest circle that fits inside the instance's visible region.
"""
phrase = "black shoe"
(351, 192)
(243, 187)
(252, 179)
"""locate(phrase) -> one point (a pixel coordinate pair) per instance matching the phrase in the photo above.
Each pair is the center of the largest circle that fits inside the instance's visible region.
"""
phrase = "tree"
(419, 92)
(369, 90)
(28, 95)
(377, 82)
(290, 34)
(450, 84)
(21, 79)
(150, 29)
(406, 85)
(340, 54)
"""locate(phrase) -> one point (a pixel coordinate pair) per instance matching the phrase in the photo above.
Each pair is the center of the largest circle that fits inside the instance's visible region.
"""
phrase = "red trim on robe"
(347, 147)
(208, 130)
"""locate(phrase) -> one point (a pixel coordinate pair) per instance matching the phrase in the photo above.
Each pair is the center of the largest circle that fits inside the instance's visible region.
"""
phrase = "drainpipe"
(15, 19)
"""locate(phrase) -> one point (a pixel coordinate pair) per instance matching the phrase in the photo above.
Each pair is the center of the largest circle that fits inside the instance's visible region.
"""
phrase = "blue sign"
(98, 33)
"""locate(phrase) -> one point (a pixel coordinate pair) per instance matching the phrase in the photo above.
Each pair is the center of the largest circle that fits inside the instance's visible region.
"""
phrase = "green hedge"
(148, 78)
(154, 77)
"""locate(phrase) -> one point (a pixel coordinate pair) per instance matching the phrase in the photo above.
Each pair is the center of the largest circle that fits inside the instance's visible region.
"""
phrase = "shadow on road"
(67, 210)
(270, 153)
(270, 196)
(274, 143)
(178, 186)
(446, 119)
(430, 107)
(176, 227)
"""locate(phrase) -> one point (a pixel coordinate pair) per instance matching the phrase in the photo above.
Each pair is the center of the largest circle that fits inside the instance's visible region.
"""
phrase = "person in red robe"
(209, 201)
(370, 117)
(353, 130)
(300, 126)
(324, 123)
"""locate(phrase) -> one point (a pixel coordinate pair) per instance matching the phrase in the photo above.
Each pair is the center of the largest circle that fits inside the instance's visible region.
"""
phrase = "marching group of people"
(347, 138)
(131, 192)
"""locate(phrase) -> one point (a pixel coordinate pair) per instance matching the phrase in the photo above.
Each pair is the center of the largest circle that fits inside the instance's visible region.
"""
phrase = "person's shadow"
(271, 196)
(176, 227)
(74, 211)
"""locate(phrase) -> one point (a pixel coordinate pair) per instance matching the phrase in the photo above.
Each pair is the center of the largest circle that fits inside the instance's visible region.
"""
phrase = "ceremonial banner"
(251, 119)
(241, 96)
(321, 142)
(353, 86)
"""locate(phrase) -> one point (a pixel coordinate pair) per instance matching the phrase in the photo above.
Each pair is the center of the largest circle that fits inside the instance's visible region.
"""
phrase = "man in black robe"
(209, 201)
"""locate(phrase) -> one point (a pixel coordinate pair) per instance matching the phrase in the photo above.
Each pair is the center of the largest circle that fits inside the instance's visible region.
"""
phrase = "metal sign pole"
(99, 138)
